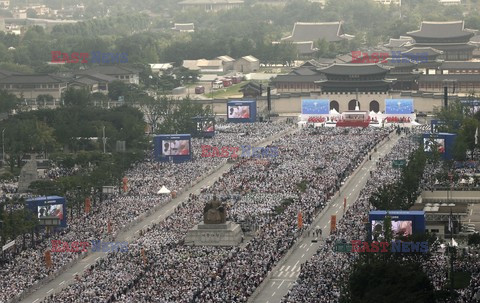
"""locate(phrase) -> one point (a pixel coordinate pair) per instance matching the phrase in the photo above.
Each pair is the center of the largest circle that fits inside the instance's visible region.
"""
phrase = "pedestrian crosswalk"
(287, 272)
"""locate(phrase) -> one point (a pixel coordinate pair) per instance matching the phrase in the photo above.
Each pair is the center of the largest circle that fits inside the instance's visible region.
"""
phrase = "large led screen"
(205, 126)
(399, 228)
(50, 211)
(430, 144)
(238, 112)
(176, 147)
(399, 106)
(315, 106)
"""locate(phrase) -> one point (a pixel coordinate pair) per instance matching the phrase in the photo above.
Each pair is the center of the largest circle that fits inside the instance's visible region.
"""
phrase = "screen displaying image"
(175, 147)
(315, 106)
(399, 228)
(239, 111)
(399, 106)
(430, 144)
(205, 126)
(51, 210)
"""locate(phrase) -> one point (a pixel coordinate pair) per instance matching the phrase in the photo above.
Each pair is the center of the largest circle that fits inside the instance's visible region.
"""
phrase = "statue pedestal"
(225, 234)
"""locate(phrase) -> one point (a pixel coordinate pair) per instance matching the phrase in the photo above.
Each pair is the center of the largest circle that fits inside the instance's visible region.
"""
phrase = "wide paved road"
(68, 276)
(288, 269)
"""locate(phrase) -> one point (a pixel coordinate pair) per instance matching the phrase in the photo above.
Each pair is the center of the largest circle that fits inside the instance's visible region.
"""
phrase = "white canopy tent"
(333, 112)
(163, 190)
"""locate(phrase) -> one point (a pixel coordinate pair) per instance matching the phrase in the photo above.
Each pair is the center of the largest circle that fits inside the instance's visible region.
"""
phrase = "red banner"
(109, 227)
(125, 184)
(87, 205)
(333, 224)
(48, 259)
(300, 220)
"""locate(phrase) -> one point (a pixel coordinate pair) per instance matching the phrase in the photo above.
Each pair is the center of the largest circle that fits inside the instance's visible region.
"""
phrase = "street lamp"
(3, 146)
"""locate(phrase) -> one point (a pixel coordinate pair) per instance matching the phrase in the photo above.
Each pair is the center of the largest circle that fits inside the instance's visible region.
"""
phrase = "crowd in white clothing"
(24, 269)
(267, 192)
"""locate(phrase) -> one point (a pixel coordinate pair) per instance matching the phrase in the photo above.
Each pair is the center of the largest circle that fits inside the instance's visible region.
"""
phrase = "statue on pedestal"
(214, 212)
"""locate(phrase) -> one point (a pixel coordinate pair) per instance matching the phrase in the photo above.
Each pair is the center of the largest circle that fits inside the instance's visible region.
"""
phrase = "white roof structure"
(333, 111)
(250, 58)
(163, 190)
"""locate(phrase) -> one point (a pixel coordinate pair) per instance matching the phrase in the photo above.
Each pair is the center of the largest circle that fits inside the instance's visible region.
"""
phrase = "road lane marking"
(282, 267)
(287, 268)
(303, 255)
(75, 274)
(50, 291)
(296, 264)
(280, 284)
(35, 300)
(273, 294)
(61, 283)
(86, 266)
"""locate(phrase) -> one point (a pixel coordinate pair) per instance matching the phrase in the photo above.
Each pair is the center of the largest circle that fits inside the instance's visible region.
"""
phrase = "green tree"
(8, 101)
(76, 97)
(43, 100)
(386, 281)
(474, 239)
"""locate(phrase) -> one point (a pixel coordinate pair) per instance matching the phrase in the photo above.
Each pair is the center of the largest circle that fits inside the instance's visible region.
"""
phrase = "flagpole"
(452, 250)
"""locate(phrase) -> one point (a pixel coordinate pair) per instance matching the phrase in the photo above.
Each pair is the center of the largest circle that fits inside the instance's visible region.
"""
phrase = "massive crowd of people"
(267, 192)
(322, 277)
(23, 269)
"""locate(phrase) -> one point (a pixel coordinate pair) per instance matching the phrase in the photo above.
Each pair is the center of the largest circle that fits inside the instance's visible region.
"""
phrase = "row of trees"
(72, 137)
(402, 194)
(248, 30)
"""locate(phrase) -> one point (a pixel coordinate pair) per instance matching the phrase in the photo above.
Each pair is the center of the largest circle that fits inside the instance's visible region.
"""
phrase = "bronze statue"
(214, 212)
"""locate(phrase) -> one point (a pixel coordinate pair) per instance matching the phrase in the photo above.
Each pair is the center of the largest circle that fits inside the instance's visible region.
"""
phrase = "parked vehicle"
(227, 82)
(200, 89)
(217, 84)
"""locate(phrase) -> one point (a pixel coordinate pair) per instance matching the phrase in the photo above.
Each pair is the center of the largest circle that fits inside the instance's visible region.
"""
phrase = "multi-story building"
(31, 86)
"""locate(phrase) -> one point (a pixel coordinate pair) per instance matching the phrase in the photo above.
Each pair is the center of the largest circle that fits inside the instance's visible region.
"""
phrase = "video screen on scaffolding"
(315, 106)
(431, 144)
(399, 106)
(399, 228)
(50, 211)
(206, 126)
(239, 112)
(176, 147)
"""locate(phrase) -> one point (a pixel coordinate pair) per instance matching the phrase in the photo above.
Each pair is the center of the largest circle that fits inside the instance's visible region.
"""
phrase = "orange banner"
(333, 224)
(300, 220)
(48, 259)
(125, 184)
(87, 205)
